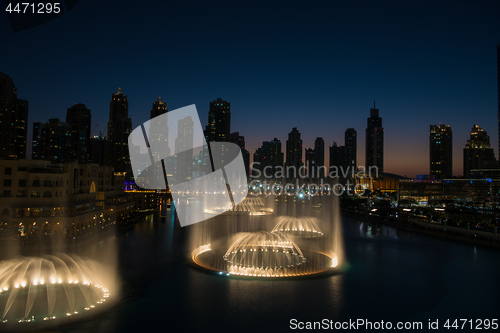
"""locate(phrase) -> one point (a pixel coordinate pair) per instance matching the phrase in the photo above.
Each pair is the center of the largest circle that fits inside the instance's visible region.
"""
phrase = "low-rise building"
(42, 198)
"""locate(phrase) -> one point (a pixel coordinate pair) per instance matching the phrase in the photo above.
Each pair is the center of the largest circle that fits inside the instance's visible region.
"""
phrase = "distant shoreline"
(438, 231)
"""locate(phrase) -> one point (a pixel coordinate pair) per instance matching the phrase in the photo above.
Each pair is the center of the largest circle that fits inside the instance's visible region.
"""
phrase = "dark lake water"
(393, 276)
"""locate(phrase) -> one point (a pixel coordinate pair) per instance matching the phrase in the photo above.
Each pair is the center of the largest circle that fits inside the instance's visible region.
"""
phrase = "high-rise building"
(159, 108)
(477, 152)
(441, 151)
(99, 150)
(498, 87)
(13, 120)
(119, 128)
(219, 121)
(271, 158)
(78, 117)
(293, 153)
(184, 149)
(35, 142)
(374, 141)
(319, 158)
(240, 141)
(257, 162)
(337, 158)
(158, 130)
(310, 163)
(351, 147)
(54, 142)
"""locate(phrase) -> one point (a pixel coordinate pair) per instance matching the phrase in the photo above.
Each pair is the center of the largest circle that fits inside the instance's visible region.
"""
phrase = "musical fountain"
(53, 287)
(295, 241)
(303, 227)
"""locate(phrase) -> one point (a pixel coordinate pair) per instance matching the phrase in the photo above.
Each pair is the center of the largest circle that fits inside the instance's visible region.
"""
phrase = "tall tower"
(351, 147)
(294, 152)
(54, 142)
(441, 151)
(319, 158)
(498, 87)
(219, 121)
(337, 159)
(271, 157)
(158, 130)
(78, 117)
(477, 152)
(374, 141)
(238, 139)
(184, 149)
(35, 143)
(13, 120)
(119, 128)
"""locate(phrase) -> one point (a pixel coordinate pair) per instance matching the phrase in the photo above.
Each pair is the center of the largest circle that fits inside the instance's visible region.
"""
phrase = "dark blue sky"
(288, 64)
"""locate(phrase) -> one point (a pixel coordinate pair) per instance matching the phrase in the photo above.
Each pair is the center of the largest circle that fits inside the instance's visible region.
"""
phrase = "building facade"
(441, 151)
(42, 198)
(55, 142)
(13, 120)
(35, 141)
(319, 158)
(294, 149)
(219, 121)
(351, 146)
(374, 141)
(79, 119)
(119, 128)
(478, 153)
(238, 139)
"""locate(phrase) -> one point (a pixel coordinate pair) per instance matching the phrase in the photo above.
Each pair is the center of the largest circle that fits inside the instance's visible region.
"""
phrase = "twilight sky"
(317, 67)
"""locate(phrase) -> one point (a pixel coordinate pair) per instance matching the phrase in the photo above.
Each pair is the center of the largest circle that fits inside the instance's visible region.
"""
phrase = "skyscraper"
(351, 147)
(54, 142)
(219, 121)
(337, 158)
(293, 153)
(159, 108)
(78, 118)
(441, 151)
(183, 149)
(13, 120)
(35, 142)
(99, 150)
(498, 87)
(256, 165)
(158, 130)
(374, 141)
(310, 163)
(119, 127)
(238, 139)
(319, 158)
(271, 158)
(477, 152)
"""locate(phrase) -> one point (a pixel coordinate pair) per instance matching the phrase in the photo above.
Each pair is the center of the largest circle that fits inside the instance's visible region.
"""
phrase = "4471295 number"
(33, 8)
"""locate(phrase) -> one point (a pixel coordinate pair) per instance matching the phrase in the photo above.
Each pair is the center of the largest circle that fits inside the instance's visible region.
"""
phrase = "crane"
(93, 129)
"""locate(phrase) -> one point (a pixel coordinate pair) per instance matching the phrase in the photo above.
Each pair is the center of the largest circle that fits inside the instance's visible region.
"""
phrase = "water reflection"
(393, 275)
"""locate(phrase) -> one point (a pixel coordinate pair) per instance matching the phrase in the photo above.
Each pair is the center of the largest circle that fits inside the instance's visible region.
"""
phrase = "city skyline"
(276, 73)
(90, 127)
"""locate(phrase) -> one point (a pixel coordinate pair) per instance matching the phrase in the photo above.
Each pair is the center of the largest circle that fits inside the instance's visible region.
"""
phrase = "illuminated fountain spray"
(263, 254)
(51, 287)
(302, 237)
(338, 255)
(303, 227)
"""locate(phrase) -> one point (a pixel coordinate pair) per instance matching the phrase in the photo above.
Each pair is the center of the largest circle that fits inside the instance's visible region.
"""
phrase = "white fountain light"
(302, 227)
(34, 272)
